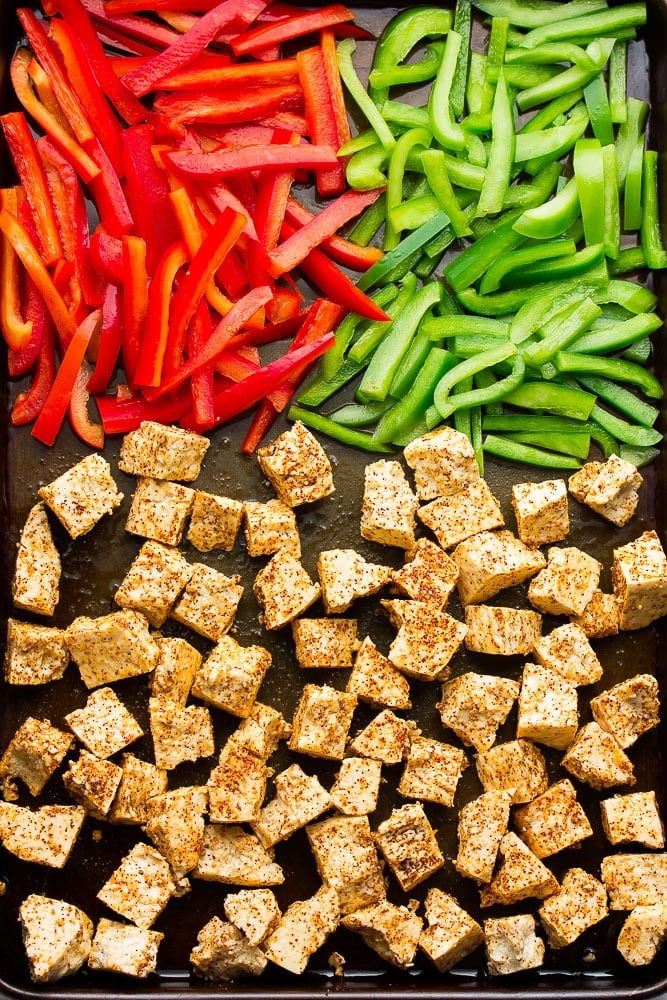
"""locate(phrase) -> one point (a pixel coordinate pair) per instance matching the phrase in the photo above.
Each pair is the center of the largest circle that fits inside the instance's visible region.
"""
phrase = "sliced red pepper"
(201, 382)
(294, 26)
(21, 360)
(352, 255)
(135, 301)
(90, 432)
(240, 161)
(320, 115)
(147, 190)
(108, 193)
(116, 7)
(71, 287)
(28, 405)
(285, 305)
(151, 355)
(328, 46)
(124, 412)
(106, 252)
(217, 73)
(221, 107)
(110, 341)
(16, 329)
(140, 29)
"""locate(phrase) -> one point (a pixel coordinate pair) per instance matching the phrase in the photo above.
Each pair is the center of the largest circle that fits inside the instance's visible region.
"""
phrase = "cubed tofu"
(159, 510)
(581, 481)
(235, 856)
(426, 639)
(175, 669)
(482, 823)
(345, 576)
(262, 731)
(140, 780)
(548, 707)
(231, 675)
(157, 451)
(34, 654)
(517, 766)
(140, 887)
(432, 771)
(297, 466)
(254, 911)
(580, 903)
(633, 819)
(223, 953)
(567, 583)
(567, 650)
(429, 575)
(209, 601)
(347, 859)
(390, 930)
(45, 836)
(457, 516)
(408, 844)
(82, 495)
(609, 488)
(635, 880)
(179, 732)
(475, 705)
(34, 753)
(386, 738)
(322, 721)
(639, 578)
(595, 758)
(303, 928)
(175, 826)
(237, 785)
(601, 616)
(512, 944)
(643, 934)
(325, 642)
(154, 581)
(553, 821)
(93, 783)
(500, 631)
(451, 934)
(124, 949)
(443, 461)
(215, 522)
(112, 647)
(283, 589)
(492, 560)
(375, 680)
(357, 786)
(104, 725)
(628, 709)
(269, 527)
(519, 875)
(36, 580)
(389, 505)
(56, 937)
(541, 511)
(300, 799)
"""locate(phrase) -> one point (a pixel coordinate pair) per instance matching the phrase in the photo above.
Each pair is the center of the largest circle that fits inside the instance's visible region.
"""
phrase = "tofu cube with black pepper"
(93, 783)
(633, 818)
(601, 616)
(139, 782)
(82, 495)
(567, 583)
(269, 527)
(262, 731)
(322, 721)
(500, 631)
(635, 880)
(609, 488)
(159, 510)
(553, 821)
(112, 647)
(347, 859)
(392, 931)
(443, 462)
(34, 753)
(512, 944)
(426, 639)
(475, 705)
(223, 953)
(237, 784)
(175, 825)
(303, 928)
(297, 466)
(482, 823)
(345, 576)
(124, 949)
(140, 887)
(34, 654)
(516, 765)
(375, 680)
(104, 725)
(490, 561)
(450, 934)
(283, 590)
(328, 643)
(519, 875)
(36, 581)
(432, 771)
(595, 758)
(254, 911)
(386, 738)
(429, 575)
(215, 522)
(541, 511)
(457, 516)
(567, 651)
(236, 856)
(300, 799)
(639, 578)
(175, 669)
(209, 601)
(408, 844)
(158, 451)
(179, 732)
(643, 934)
(389, 505)
(548, 707)
(56, 937)
(580, 903)
(628, 709)
(44, 836)
(154, 581)
(357, 786)
(231, 676)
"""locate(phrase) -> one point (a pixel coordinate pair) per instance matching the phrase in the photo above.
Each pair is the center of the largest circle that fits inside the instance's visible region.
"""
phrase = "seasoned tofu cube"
(140, 887)
(443, 461)
(390, 930)
(567, 650)
(450, 934)
(82, 495)
(548, 707)
(519, 875)
(389, 505)
(93, 783)
(56, 937)
(347, 859)
(517, 766)
(303, 928)
(236, 856)
(231, 675)
(237, 784)
(322, 721)
(175, 826)
(254, 911)
(36, 580)
(140, 780)
(601, 616)
(541, 511)
(375, 680)
(112, 647)
(104, 725)
(262, 731)
(45, 836)
(639, 578)
(209, 601)
(492, 560)
(635, 880)
(269, 527)
(595, 758)
(124, 949)
(633, 819)
(482, 824)
(409, 845)
(154, 581)
(297, 466)
(501, 631)
(581, 481)
(429, 575)
(179, 733)
(512, 944)
(357, 786)
(432, 771)
(34, 654)
(553, 821)
(157, 451)
(475, 705)
(386, 738)
(426, 639)
(609, 488)
(215, 522)
(457, 516)
(567, 583)
(33, 754)
(325, 642)
(175, 669)
(345, 576)
(223, 953)
(284, 590)
(300, 799)
(159, 510)
(643, 934)
(628, 709)
(580, 903)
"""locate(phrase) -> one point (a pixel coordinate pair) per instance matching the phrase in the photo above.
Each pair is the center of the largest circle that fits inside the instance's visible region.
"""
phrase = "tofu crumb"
(223, 953)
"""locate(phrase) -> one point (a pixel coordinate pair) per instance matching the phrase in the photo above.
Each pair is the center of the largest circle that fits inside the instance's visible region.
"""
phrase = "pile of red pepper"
(153, 239)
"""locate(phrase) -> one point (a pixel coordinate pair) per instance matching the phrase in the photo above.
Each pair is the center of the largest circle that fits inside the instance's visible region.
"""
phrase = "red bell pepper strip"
(217, 74)
(289, 28)
(121, 413)
(141, 29)
(320, 115)
(52, 414)
(343, 251)
(147, 189)
(21, 360)
(65, 272)
(108, 193)
(241, 161)
(28, 405)
(219, 197)
(273, 190)
(135, 301)
(223, 107)
(328, 46)
(16, 329)
(90, 432)
(110, 341)
(201, 382)
(151, 354)
(106, 253)
(116, 7)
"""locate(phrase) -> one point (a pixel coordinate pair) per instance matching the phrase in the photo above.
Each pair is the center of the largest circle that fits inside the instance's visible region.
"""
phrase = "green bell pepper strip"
(540, 423)
(568, 362)
(411, 363)
(479, 95)
(562, 400)
(552, 218)
(495, 59)
(369, 222)
(560, 331)
(552, 112)
(321, 389)
(443, 125)
(618, 336)
(473, 262)
(401, 75)
(639, 457)
(617, 82)
(538, 13)
(633, 434)
(401, 35)
(559, 269)
(358, 414)
(632, 193)
(409, 410)
(515, 260)
(349, 328)
(554, 141)
(403, 115)
(628, 135)
(638, 352)
(358, 142)
(466, 369)
(474, 343)
(577, 444)
(626, 402)
(633, 297)
(435, 169)
(589, 174)
(368, 340)
(538, 191)
(599, 112)
(569, 79)
(594, 25)
(463, 417)
(411, 214)
(325, 425)
(482, 380)
(414, 242)
(501, 152)
(364, 170)
(358, 93)
(395, 175)
(554, 52)
(651, 241)
(463, 26)
(513, 451)
(462, 325)
(612, 210)
(488, 394)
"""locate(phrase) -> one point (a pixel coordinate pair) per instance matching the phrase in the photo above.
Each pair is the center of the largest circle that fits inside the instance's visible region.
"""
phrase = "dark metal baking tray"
(94, 566)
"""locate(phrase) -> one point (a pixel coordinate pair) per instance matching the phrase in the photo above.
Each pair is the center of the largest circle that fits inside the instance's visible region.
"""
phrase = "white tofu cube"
(512, 945)
(501, 631)
(639, 577)
(154, 581)
(269, 527)
(140, 887)
(482, 824)
(34, 654)
(347, 859)
(175, 669)
(553, 821)
(609, 488)
(443, 461)
(93, 783)
(595, 758)
(541, 511)
(284, 590)
(303, 928)
(33, 754)
(45, 836)
(104, 725)
(223, 953)
(386, 738)
(492, 560)
(548, 707)
(297, 466)
(450, 933)
(519, 875)
(567, 650)
(475, 705)
(159, 510)
(432, 771)
(157, 451)
(345, 576)
(111, 648)
(262, 731)
(322, 721)
(124, 949)
(567, 583)
(601, 616)
(457, 516)
(82, 496)
(517, 766)
(357, 786)
(375, 680)
(209, 601)
(179, 733)
(426, 639)
(429, 575)
(36, 580)
(235, 856)
(231, 676)
(635, 880)
(300, 799)
(389, 505)
(254, 911)
(409, 845)
(215, 522)
(140, 780)
(175, 826)
(633, 819)
(236, 785)
(329, 643)
(643, 933)
(580, 903)
(56, 937)
(390, 930)
(628, 709)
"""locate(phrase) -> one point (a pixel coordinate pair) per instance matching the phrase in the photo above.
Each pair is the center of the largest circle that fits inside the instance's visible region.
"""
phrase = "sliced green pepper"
(617, 82)
(443, 125)
(358, 92)
(638, 410)
(324, 425)
(651, 240)
(435, 168)
(485, 359)
(463, 26)
(593, 25)
(516, 260)
(563, 400)
(554, 141)
(513, 451)
(414, 242)
(501, 152)
(371, 336)
(553, 217)
(472, 262)
(404, 145)
(401, 75)
(613, 368)
(401, 35)
(633, 434)
(410, 409)
(538, 13)
(599, 112)
(589, 174)
(632, 195)
(559, 332)
(618, 336)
